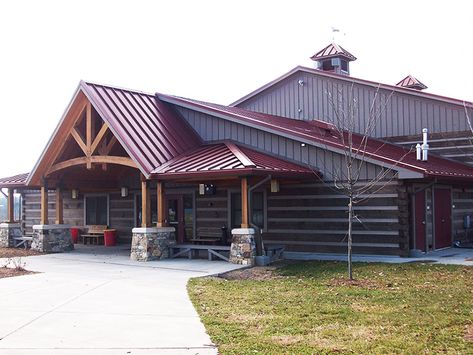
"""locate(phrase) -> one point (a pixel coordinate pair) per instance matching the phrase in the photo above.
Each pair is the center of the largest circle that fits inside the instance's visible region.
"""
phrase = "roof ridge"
(238, 153)
(116, 87)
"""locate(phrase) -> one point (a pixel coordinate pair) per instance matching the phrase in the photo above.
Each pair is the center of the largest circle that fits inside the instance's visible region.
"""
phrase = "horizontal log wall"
(73, 209)
(313, 218)
(121, 211)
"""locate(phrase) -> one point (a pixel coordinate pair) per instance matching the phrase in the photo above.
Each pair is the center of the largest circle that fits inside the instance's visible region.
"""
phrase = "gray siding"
(212, 128)
(404, 114)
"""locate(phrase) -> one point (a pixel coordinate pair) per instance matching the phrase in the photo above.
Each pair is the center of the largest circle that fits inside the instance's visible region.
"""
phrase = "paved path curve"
(97, 301)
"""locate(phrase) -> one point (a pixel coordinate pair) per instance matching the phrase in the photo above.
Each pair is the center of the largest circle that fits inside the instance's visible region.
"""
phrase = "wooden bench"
(24, 241)
(94, 234)
(212, 250)
(209, 235)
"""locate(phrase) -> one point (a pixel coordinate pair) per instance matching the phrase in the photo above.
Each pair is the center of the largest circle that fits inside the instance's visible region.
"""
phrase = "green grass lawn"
(309, 307)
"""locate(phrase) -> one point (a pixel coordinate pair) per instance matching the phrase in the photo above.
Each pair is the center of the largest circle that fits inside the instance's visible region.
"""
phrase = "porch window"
(257, 208)
(96, 210)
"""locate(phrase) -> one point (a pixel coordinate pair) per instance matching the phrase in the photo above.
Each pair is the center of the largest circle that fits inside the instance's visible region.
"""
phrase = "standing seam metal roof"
(152, 132)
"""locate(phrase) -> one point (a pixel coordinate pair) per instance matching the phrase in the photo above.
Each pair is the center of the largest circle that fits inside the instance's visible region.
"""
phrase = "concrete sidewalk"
(87, 302)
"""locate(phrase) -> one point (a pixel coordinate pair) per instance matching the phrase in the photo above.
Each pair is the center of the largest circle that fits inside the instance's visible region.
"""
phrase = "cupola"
(411, 83)
(333, 58)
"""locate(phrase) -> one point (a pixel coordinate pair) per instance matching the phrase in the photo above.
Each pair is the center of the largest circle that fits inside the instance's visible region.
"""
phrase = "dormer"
(333, 58)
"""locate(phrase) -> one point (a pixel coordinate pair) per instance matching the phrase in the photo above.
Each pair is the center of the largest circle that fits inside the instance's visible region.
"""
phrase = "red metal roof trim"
(151, 132)
(14, 181)
(228, 159)
(321, 134)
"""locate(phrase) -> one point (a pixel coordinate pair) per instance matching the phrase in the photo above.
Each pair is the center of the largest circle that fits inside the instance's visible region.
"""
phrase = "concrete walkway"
(96, 301)
(449, 256)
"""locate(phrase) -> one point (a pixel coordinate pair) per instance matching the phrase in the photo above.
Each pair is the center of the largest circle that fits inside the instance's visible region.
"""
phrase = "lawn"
(309, 307)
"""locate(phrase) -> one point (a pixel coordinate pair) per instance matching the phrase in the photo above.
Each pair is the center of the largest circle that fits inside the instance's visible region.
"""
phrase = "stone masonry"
(152, 243)
(8, 231)
(243, 248)
(54, 238)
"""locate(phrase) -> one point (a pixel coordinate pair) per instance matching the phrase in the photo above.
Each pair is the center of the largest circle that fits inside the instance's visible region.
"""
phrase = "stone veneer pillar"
(52, 238)
(152, 243)
(7, 232)
(243, 248)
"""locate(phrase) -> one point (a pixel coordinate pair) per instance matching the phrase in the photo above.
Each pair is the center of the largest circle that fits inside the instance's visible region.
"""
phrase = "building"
(164, 169)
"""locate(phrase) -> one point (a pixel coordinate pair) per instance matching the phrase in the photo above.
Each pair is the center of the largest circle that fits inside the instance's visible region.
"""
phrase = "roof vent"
(333, 58)
(410, 82)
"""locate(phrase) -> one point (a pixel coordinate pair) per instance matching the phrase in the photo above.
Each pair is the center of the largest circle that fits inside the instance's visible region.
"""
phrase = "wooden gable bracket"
(90, 145)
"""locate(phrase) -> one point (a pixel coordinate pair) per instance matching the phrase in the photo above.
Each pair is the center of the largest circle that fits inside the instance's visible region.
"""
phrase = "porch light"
(75, 194)
(124, 191)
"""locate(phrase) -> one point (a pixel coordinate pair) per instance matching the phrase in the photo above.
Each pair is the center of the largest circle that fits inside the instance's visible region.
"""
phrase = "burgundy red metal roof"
(14, 181)
(227, 159)
(331, 51)
(150, 130)
(323, 134)
(411, 83)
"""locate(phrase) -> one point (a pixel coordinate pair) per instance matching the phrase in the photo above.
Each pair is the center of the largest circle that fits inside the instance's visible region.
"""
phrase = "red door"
(443, 218)
(420, 220)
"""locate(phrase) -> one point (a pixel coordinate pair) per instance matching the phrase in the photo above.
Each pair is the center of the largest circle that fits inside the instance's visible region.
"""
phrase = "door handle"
(423, 222)
(443, 221)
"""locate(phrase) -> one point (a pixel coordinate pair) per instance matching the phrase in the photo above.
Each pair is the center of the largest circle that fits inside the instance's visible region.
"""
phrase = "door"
(175, 215)
(443, 218)
(420, 223)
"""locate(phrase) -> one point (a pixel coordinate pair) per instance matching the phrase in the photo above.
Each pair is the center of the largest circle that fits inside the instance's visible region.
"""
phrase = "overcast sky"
(216, 51)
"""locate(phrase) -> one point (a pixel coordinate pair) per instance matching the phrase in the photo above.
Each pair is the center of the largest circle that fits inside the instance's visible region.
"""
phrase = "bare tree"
(355, 133)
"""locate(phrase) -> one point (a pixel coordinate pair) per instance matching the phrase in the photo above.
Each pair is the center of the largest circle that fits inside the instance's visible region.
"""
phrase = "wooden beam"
(98, 138)
(10, 206)
(161, 206)
(78, 138)
(93, 159)
(244, 203)
(145, 204)
(106, 150)
(44, 203)
(59, 206)
(88, 126)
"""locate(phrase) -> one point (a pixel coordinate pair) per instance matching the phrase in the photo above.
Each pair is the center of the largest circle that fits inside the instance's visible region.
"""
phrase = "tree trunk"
(350, 222)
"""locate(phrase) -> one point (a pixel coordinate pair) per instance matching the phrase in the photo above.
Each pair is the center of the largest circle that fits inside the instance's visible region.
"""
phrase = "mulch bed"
(15, 252)
(9, 272)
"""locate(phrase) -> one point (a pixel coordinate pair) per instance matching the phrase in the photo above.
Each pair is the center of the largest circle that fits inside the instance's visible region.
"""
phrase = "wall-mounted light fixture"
(124, 191)
(75, 194)
(274, 185)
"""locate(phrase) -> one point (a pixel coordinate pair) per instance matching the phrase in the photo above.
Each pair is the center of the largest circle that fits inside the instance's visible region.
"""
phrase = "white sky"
(210, 50)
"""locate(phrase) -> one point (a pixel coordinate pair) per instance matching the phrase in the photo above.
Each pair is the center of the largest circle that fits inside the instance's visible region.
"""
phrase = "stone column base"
(243, 249)
(8, 231)
(152, 243)
(52, 238)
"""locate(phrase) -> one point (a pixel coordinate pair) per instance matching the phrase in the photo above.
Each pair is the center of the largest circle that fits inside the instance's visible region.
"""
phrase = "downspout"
(258, 239)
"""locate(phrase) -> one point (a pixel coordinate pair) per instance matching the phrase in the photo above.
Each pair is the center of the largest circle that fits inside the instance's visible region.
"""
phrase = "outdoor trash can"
(110, 237)
(75, 235)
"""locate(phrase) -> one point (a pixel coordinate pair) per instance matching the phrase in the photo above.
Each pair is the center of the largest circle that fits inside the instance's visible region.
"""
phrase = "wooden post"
(44, 203)
(161, 207)
(59, 206)
(244, 203)
(145, 205)
(10, 206)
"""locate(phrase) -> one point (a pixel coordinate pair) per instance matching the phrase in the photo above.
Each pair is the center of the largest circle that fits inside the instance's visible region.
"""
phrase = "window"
(96, 210)
(257, 208)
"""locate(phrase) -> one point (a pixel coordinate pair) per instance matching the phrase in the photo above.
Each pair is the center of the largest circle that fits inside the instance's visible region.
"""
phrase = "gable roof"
(351, 79)
(323, 135)
(149, 130)
(331, 51)
(227, 159)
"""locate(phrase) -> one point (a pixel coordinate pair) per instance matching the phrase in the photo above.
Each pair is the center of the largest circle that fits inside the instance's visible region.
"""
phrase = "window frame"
(96, 195)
